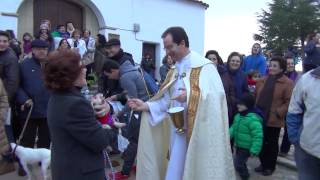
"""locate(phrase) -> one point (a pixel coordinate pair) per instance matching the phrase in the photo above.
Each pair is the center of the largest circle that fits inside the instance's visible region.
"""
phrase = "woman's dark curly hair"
(220, 62)
(62, 70)
(282, 62)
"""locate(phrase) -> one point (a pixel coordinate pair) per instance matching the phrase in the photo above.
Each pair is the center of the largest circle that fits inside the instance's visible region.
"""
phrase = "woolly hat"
(44, 26)
(247, 100)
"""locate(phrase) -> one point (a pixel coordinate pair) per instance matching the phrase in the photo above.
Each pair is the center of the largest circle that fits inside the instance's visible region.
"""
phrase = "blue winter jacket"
(255, 62)
(32, 87)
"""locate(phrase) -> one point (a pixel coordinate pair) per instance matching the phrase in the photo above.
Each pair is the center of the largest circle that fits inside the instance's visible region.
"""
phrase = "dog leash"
(107, 159)
(23, 130)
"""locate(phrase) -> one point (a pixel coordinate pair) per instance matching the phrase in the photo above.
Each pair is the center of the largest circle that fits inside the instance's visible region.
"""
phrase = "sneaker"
(119, 176)
(267, 172)
(258, 169)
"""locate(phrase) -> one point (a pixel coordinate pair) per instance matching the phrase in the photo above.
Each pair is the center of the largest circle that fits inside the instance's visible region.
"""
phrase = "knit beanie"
(248, 100)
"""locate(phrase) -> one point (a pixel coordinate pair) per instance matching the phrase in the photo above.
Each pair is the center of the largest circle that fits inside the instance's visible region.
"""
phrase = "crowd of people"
(43, 82)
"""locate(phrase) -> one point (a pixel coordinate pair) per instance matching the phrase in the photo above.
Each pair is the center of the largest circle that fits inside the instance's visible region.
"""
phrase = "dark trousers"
(131, 151)
(15, 123)
(270, 148)
(240, 162)
(285, 145)
(35, 126)
(307, 164)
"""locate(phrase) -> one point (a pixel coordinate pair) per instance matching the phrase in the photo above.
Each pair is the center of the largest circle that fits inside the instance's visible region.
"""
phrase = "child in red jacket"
(252, 80)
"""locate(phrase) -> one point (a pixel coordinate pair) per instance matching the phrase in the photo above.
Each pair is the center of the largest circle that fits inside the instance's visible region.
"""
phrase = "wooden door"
(58, 12)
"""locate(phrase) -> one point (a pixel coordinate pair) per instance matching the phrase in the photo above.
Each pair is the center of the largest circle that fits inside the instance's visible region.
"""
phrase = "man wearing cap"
(122, 68)
(32, 92)
(116, 53)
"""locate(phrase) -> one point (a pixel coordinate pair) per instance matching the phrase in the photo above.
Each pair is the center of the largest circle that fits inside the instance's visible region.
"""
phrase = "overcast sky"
(230, 25)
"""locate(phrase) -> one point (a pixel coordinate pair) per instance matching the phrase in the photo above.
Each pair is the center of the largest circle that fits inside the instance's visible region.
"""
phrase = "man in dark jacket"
(122, 68)
(9, 73)
(32, 92)
(9, 68)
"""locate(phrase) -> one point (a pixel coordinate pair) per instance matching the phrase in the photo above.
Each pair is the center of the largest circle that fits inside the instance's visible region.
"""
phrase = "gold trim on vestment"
(168, 78)
(193, 100)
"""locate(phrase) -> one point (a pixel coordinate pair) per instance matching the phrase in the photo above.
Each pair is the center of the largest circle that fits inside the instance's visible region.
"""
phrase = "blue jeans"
(308, 165)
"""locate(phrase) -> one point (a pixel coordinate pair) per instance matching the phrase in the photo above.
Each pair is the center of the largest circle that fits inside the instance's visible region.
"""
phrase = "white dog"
(29, 156)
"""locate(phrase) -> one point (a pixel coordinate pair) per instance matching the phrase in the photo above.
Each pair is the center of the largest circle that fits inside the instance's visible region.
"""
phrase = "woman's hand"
(138, 105)
(112, 98)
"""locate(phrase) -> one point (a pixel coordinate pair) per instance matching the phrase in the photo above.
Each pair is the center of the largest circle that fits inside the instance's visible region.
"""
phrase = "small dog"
(29, 156)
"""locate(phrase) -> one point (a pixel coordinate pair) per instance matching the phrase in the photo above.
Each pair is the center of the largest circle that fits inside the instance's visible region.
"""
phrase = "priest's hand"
(138, 105)
(182, 97)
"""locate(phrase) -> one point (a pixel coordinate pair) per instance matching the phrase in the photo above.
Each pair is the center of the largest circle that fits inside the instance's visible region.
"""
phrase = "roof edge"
(206, 6)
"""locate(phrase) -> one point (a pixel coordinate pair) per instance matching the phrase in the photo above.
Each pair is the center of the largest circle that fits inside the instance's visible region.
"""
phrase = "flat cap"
(39, 43)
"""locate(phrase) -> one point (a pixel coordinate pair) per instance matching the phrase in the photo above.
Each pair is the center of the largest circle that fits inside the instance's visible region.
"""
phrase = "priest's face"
(176, 51)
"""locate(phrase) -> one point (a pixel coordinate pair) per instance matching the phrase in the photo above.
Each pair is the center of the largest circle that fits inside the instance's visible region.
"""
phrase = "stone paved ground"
(282, 172)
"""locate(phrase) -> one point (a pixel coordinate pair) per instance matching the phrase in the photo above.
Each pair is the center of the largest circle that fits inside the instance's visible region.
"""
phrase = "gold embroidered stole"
(193, 100)
(170, 79)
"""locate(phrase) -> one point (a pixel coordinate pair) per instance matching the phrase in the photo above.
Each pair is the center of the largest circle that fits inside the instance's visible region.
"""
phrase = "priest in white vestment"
(203, 151)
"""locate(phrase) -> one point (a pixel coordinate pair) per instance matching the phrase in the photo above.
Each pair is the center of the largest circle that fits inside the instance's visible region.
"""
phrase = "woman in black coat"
(78, 140)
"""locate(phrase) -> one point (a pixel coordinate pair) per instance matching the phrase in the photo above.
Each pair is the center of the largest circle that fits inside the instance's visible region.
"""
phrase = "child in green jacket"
(247, 133)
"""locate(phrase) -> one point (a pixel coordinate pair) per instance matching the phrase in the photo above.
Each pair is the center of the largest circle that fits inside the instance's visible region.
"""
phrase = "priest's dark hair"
(178, 35)
(109, 65)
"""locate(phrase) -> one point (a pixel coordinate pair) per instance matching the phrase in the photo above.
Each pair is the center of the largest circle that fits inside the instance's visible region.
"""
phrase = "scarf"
(237, 78)
(266, 96)
(118, 56)
(292, 75)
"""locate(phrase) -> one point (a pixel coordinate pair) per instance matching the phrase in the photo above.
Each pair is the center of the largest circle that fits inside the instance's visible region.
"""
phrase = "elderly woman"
(273, 97)
(227, 81)
(292, 74)
(237, 76)
(78, 140)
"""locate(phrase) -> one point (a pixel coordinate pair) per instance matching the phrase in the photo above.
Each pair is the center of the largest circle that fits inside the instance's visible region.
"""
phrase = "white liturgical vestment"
(158, 111)
(203, 152)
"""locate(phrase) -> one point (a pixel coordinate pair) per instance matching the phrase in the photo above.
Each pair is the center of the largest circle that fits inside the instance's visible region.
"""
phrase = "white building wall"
(9, 22)
(153, 16)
